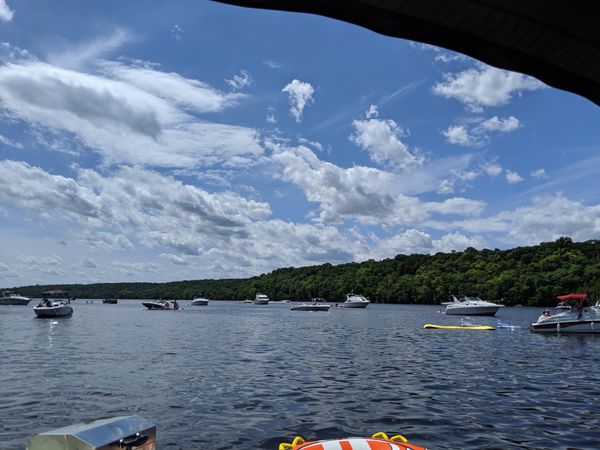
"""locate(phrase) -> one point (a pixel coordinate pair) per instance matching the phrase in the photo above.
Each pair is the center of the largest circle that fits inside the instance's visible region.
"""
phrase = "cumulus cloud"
(6, 14)
(382, 139)
(128, 114)
(244, 79)
(484, 86)
(539, 174)
(300, 95)
(477, 132)
(493, 169)
(414, 241)
(513, 177)
(547, 218)
(367, 194)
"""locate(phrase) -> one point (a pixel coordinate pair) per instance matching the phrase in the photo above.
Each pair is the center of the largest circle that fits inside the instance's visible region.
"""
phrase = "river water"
(243, 376)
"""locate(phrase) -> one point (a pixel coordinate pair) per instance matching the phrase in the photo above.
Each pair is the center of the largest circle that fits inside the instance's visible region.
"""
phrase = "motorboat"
(247, 301)
(581, 317)
(161, 304)
(10, 298)
(111, 301)
(355, 301)
(471, 306)
(261, 299)
(54, 304)
(199, 301)
(314, 305)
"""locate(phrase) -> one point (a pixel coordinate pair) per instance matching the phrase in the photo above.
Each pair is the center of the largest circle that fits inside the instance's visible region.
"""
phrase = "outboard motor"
(117, 433)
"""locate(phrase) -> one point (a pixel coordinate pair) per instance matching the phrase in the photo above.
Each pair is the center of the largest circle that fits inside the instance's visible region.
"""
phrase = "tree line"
(532, 276)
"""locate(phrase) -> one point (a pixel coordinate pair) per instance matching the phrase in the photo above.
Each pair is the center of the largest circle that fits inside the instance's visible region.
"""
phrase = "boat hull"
(355, 305)
(157, 306)
(14, 301)
(323, 308)
(199, 302)
(472, 311)
(48, 312)
(581, 326)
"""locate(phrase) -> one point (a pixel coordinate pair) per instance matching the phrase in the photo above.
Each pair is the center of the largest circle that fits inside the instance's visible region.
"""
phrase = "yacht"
(471, 306)
(314, 305)
(580, 318)
(161, 304)
(199, 301)
(54, 304)
(355, 301)
(10, 298)
(261, 299)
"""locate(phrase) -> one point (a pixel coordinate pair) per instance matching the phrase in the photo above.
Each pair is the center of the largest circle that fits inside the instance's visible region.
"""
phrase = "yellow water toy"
(458, 327)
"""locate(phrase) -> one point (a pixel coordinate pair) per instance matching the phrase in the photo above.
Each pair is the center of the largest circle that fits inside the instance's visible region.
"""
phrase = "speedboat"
(355, 301)
(199, 301)
(111, 301)
(580, 318)
(161, 304)
(10, 298)
(261, 299)
(54, 304)
(314, 305)
(471, 306)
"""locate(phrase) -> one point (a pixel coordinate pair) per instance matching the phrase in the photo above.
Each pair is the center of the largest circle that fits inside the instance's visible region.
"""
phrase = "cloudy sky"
(157, 141)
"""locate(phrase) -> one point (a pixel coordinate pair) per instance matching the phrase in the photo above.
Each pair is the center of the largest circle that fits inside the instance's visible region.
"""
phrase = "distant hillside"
(524, 275)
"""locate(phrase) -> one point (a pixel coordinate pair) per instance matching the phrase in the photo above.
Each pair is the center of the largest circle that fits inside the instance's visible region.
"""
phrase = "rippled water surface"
(240, 376)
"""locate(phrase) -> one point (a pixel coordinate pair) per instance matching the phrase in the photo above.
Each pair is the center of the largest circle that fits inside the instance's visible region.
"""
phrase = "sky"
(162, 141)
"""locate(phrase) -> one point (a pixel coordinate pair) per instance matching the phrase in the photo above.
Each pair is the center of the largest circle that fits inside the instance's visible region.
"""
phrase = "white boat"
(581, 317)
(355, 301)
(199, 301)
(261, 299)
(10, 298)
(314, 305)
(54, 304)
(161, 304)
(471, 306)
(247, 301)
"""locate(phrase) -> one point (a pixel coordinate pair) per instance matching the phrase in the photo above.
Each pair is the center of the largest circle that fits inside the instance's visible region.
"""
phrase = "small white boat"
(355, 301)
(248, 301)
(581, 317)
(199, 301)
(53, 304)
(315, 305)
(10, 298)
(261, 299)
(471, 306)
(161, 304)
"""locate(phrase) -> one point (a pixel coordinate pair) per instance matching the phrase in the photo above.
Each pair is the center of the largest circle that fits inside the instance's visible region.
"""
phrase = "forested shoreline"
(532, 276)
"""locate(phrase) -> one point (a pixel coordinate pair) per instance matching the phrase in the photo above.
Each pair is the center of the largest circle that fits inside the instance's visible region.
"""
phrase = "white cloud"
(271, 118)
(476, 134)
(513, 177)
(300, 94)
(416, 241)
(459, 135)
(382, 139)
(78, 56)
(493, 169)
(504, 125)
(484, 86)
(9, 142)
(273, 64)
(362, 193)
(177, 32)
(546, 219)
(133, 116)
(6, 14)
(244, 79)
(539, 174)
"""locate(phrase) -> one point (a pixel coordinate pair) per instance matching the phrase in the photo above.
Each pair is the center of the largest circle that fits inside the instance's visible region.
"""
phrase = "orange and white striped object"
(354, 443)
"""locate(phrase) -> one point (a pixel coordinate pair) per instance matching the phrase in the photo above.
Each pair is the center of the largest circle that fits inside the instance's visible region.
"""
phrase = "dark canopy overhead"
(557, 42)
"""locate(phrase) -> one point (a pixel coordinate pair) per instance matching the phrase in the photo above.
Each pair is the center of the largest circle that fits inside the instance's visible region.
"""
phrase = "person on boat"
(545, 313)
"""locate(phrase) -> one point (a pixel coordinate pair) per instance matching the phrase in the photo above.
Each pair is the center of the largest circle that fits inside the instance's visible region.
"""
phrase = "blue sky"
(157, 141)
